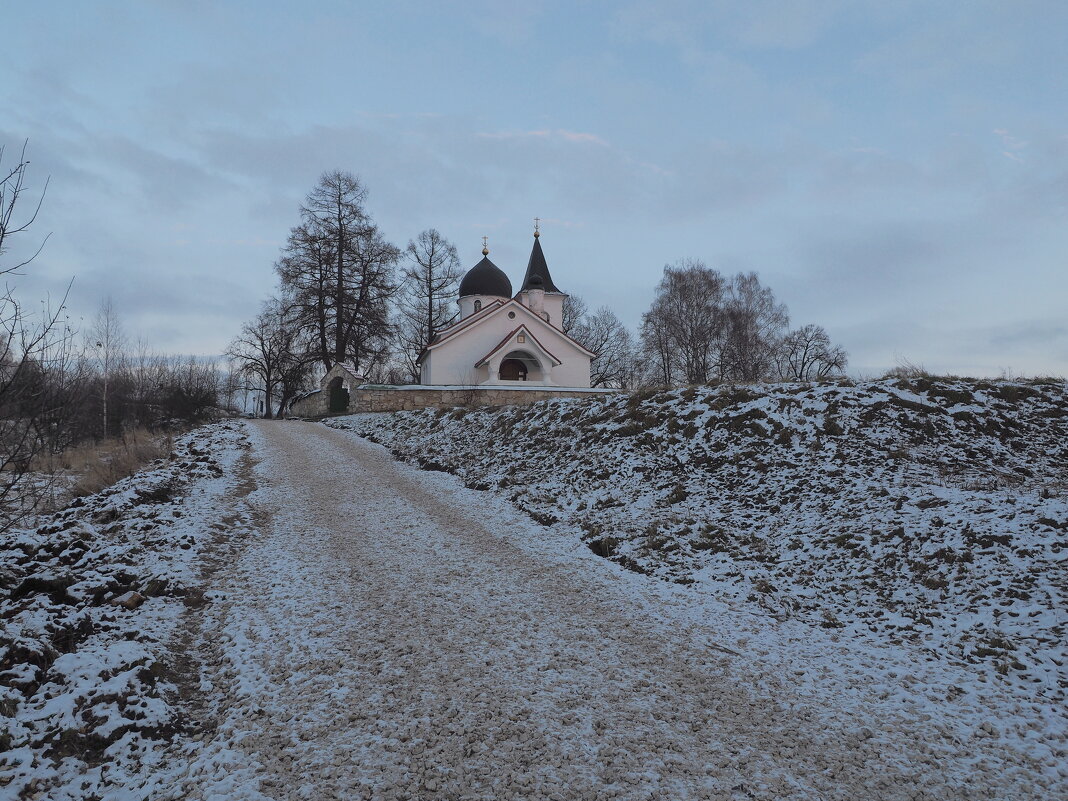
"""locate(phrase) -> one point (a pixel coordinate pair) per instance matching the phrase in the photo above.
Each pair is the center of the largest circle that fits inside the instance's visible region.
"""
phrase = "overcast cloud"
(896, 172)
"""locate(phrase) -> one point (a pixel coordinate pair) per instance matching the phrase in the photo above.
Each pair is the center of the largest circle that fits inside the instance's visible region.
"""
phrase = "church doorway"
(520, 365)
(339, 396)
(513, 370)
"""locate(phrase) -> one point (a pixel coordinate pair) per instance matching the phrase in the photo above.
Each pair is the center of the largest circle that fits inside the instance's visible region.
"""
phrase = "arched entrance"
(339, 396)
(513, 370)
(520, 365)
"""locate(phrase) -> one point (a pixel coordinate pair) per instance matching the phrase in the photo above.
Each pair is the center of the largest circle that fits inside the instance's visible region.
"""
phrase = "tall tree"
(754, 326)
(109, 342)
(683, 328)
(339, 270)
(432, 276)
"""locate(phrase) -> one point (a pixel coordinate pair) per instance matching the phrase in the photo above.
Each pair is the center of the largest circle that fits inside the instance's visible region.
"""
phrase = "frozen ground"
(92, 605)
(342, 625)
(931, 515)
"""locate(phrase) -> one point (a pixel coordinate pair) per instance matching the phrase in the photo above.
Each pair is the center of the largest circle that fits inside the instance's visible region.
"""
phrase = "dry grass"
(92, 466)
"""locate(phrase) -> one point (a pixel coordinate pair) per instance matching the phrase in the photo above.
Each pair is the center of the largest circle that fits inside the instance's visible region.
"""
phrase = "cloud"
(1045, 333)
(1013, 146)
(807, 140)
(758, 24)
(559, 134)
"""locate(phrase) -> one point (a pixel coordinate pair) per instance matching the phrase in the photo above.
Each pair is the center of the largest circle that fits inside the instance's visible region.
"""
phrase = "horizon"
(896, 175)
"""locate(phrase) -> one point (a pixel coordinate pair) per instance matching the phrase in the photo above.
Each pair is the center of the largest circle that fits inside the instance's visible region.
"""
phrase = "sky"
(896, 171)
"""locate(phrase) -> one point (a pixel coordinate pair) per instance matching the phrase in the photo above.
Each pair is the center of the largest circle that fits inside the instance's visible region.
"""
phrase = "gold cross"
(537, 222)
(485, 246)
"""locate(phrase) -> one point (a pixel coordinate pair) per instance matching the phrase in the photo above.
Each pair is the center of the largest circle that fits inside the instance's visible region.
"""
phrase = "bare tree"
(36, 359)
(683, 329)
(338, 269)
(269, 352)
(574, 311)
(605, 335)
(755, 325)
(702, 327)
(432, 276)
(807, 354)
(109, 341)
(12, 187)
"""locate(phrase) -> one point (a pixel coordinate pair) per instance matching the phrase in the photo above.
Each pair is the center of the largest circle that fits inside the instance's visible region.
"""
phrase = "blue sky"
(896, 171)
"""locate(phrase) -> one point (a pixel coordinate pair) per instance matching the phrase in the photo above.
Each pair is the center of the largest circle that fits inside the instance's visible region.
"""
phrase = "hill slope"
(928, 514)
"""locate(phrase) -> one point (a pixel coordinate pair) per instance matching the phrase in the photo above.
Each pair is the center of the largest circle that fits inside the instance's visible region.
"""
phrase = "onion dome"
(486, 278)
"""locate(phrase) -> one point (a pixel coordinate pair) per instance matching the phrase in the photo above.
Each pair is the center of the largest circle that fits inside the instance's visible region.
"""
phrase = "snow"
(924, 541)
(382, 641)
(522, 387)
(811, 591)
(86, 696)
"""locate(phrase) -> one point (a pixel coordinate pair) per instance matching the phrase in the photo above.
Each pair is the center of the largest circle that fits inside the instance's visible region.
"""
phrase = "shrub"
(99, 465)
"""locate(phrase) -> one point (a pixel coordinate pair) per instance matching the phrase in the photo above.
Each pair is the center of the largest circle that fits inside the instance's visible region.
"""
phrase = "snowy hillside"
(91, 603)
(927, 514)
(863, 597)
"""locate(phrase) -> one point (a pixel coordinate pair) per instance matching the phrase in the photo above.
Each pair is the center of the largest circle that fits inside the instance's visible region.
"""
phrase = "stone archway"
(339, 396)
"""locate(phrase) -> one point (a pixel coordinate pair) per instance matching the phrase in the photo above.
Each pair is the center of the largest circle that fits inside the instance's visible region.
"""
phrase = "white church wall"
(468, 303)
(452, 362)
(573, 373)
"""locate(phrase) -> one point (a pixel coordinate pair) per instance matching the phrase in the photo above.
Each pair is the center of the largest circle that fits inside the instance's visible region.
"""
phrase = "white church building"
(501, 340)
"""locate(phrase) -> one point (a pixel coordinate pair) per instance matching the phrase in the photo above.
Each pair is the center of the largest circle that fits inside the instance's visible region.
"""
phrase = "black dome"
(486, 278)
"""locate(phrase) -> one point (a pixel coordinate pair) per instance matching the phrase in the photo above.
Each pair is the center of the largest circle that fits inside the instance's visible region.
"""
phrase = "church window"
(478, 305)
(521, 338)
(546, 316)
(511, 315)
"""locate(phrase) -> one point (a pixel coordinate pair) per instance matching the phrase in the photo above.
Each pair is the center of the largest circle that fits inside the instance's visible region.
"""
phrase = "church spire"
(537, 266)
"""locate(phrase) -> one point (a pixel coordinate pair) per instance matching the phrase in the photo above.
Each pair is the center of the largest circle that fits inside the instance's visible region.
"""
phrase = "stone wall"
(372, 398)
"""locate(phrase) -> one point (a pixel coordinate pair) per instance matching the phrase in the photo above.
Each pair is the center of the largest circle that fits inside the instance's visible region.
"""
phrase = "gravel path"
(390, 635)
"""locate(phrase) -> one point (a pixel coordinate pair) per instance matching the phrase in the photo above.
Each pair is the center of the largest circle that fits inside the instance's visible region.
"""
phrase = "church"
(500, 340)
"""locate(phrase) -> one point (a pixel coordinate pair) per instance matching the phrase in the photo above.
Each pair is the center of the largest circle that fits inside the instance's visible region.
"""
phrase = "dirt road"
(389, 635)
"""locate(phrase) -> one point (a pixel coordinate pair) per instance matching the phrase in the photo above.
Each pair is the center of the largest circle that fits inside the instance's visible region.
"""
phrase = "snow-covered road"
(390, 634)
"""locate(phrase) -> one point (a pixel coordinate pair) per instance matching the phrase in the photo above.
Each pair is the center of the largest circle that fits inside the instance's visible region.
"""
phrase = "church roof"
(486, 278)
(538, 269)
(468, 321)
(348, 368)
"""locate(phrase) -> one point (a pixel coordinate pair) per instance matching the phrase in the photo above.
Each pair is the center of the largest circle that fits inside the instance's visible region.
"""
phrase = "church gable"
(517, 338)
